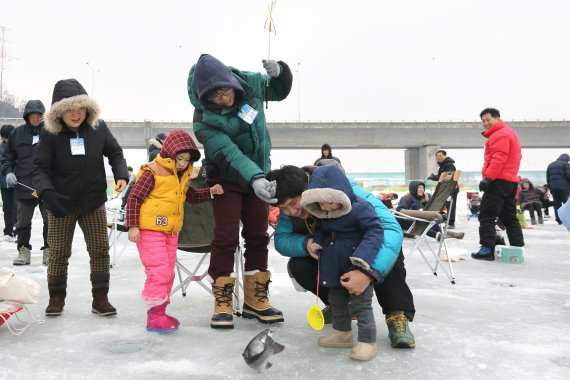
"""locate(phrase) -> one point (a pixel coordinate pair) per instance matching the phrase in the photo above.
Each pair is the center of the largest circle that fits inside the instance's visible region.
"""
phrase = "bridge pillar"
(420, 162)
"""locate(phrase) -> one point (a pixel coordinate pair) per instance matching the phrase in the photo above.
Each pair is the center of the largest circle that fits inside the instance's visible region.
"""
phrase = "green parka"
(235, 150)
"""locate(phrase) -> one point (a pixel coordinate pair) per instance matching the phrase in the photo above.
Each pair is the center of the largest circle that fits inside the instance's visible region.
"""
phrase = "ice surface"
(500, 321)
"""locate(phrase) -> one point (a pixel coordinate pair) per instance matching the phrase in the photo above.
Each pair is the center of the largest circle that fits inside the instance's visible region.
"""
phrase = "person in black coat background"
(9, 202)
(558, 178)
(446, 164)
(17, 165)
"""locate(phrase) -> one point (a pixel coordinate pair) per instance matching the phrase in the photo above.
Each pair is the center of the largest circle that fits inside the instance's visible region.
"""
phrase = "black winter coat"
(80, 177)
(19, 156)
(558, 173)
(447, 165)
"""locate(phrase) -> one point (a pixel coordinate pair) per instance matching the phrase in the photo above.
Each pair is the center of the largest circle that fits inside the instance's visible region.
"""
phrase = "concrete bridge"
(420, 139)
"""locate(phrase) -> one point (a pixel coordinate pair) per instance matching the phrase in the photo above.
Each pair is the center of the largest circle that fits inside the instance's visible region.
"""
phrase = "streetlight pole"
(299, 91)
(92, 78)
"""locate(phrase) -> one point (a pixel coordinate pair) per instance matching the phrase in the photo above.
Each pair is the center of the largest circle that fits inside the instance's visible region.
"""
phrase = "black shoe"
(484, 253)
(451, 226)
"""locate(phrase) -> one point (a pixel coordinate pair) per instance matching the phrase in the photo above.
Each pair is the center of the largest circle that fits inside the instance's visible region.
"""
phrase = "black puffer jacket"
(447, 165)
(412, 201)
(80, 177)
(558, 173)
(20, 152)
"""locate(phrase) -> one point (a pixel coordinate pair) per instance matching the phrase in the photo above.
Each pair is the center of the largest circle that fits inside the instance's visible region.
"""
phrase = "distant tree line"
(10, 106)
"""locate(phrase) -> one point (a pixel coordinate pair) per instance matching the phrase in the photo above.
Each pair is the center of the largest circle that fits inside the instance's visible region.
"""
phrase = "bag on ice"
(18, 289)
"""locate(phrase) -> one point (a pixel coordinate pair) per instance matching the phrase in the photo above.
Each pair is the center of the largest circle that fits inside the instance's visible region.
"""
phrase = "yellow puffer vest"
(163, 209)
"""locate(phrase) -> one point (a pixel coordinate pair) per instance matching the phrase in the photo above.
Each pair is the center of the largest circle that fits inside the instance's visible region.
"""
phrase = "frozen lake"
(500, 321)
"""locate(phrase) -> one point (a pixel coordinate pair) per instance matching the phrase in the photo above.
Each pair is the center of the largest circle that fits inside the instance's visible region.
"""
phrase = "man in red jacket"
(499, 184)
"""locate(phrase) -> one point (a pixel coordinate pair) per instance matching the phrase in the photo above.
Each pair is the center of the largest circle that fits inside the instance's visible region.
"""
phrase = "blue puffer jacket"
(351, 235)
(292, 232)
(558, 173)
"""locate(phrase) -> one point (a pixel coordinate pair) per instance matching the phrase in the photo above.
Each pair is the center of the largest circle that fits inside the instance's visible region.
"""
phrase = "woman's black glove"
(53, 202)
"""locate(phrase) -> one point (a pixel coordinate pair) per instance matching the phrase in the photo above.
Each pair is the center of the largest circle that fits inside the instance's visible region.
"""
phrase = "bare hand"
(121, 184)
(134, 234)
(216, 189)
(355, 282)
(311, 249)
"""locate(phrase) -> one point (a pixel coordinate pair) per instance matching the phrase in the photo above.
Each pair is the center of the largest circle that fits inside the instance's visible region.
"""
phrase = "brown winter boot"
(256, 303)
(100, 289)
(223, 289)
(57, 286)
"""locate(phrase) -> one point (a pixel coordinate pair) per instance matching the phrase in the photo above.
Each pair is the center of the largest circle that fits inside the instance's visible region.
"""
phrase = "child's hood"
(179, 140)
(328, 184)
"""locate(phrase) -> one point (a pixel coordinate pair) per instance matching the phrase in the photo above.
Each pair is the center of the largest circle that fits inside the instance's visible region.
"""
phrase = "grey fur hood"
(68, 95)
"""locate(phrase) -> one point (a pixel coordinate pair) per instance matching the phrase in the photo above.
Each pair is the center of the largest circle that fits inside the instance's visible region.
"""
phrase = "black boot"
(540, 220)
(57, 286)
(101, 305)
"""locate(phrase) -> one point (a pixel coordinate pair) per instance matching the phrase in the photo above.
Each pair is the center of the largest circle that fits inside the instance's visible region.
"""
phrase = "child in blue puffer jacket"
(349, 235)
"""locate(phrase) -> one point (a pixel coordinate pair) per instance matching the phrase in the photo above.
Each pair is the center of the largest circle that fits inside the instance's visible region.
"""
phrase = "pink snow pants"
(157, 251)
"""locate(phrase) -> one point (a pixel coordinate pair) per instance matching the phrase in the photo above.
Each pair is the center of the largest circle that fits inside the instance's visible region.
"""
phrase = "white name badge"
(247, 113)
(35, 139)
(77, 146)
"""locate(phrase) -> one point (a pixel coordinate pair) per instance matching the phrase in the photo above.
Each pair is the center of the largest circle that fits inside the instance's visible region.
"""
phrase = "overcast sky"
(359, 60)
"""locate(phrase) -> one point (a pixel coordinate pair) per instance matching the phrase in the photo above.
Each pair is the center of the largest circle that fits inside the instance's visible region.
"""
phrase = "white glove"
(11, 179)
(265, 190)
(271, 67)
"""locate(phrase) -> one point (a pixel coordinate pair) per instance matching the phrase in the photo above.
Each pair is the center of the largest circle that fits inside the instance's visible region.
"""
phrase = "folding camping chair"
(195, 237)
(473, 204)
(424, 220)
(116, 225)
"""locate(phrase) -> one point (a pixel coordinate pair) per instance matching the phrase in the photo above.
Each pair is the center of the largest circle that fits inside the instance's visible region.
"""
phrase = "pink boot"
(174, 320)
(158, 321)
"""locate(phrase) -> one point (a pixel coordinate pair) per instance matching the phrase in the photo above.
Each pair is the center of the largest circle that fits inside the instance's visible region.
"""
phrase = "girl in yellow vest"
(155, 212)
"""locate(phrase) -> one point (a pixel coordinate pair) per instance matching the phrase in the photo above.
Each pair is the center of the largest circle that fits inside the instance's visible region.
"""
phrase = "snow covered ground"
(499, 321)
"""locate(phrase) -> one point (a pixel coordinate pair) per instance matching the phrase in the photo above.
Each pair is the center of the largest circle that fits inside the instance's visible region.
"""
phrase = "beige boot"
(337, 339)
(23, 256)
(256, 303)
(363, 351)
(45, 258)
(223, 289)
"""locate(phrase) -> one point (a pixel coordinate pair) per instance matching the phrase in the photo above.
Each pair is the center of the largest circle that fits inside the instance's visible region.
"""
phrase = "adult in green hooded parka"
(229, 121)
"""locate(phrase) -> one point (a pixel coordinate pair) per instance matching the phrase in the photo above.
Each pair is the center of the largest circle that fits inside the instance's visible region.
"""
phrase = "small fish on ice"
(259, 350)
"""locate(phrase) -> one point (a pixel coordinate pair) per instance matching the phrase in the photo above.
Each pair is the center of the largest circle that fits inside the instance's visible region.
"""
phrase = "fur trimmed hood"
(69, 94)
(328, 184)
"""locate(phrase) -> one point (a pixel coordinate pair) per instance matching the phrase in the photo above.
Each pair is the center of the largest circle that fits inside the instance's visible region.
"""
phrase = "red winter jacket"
(502, 153)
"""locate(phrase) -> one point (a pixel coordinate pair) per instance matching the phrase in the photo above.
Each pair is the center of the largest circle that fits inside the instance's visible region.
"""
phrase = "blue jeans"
(345, 305)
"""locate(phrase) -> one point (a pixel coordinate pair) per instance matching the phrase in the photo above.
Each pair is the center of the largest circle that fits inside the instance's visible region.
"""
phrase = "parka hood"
(564, 157)
(447, 160)
(33, 106)
(177, 141)
(208, 74)
(413, 188)
(68, 95)
(328, 184)
(526, 180)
